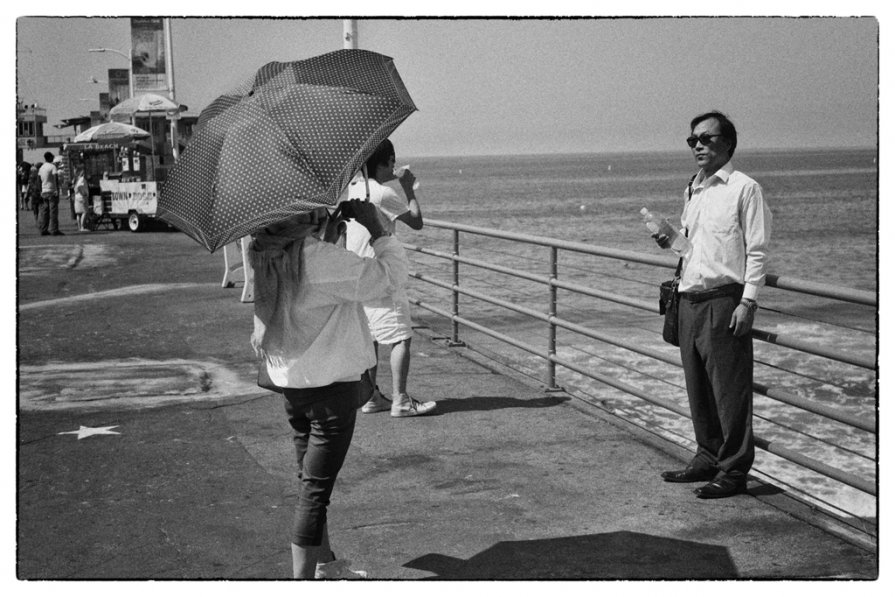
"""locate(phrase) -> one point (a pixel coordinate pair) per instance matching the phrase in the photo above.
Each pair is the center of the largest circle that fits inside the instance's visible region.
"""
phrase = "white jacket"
(328, 336)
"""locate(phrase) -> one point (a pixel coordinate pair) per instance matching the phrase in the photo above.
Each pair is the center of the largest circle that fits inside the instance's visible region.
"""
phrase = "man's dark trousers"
(48, 215)
(718, 371)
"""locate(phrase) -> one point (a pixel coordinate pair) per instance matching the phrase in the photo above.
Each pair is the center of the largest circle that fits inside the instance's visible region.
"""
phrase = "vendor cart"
(121, 179)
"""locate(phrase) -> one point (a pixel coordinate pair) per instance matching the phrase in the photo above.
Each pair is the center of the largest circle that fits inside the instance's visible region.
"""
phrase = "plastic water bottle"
(399, 172)
(659, 225)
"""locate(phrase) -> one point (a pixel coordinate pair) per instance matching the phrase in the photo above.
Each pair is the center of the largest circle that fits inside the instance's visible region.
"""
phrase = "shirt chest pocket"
(721, 218)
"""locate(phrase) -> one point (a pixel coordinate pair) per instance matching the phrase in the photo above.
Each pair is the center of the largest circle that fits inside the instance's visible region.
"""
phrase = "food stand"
(121, 179)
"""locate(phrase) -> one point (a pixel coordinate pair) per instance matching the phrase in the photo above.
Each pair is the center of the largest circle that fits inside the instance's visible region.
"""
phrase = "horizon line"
(740, 151)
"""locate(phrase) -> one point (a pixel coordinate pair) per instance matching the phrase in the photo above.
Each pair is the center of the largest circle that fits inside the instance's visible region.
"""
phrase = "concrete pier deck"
(184, 469)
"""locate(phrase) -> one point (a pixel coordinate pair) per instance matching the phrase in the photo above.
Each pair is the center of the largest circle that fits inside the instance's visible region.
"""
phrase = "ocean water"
(825, 212)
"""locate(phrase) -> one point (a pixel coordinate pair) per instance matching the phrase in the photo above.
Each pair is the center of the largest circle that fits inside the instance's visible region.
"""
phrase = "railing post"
(455, 298)
(551, 331)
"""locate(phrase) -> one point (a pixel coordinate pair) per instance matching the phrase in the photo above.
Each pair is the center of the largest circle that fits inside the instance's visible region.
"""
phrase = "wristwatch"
(752, 305)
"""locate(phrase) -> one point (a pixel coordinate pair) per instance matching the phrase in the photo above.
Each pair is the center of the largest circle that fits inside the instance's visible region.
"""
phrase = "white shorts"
(390, 320)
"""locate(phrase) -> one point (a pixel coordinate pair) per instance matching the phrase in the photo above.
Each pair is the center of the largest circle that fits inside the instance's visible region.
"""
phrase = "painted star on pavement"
(83, 432)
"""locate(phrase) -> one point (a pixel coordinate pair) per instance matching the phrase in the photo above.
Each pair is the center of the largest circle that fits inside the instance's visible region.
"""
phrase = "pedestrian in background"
(81, 193)
(389, 317)
(33, 191)
(66, 186)
(729, 226)
(48, 216)
(23, 171)
(312, 335)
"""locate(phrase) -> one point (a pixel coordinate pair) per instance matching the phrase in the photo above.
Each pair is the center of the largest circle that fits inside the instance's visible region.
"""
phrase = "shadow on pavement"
(483, 403)
(764, 489)
(622, 555)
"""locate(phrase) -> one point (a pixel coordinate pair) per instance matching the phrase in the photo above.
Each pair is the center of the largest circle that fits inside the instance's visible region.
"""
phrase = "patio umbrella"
(111, 132)
(284, 143)
(148, 103)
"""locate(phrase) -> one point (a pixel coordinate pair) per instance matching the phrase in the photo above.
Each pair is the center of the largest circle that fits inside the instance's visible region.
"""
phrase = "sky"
(519, 85)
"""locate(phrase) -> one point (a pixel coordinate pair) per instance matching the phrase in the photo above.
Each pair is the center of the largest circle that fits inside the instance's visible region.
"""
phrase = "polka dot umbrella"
(285, 142)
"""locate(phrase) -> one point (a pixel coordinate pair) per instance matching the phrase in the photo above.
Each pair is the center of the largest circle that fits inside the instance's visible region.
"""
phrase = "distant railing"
(23, 111)
(551, 358)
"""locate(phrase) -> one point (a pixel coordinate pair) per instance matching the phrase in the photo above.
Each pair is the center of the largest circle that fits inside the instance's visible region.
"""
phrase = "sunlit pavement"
(146, 451)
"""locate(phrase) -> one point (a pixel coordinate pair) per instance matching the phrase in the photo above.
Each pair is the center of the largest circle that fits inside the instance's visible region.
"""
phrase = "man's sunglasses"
(704, 139)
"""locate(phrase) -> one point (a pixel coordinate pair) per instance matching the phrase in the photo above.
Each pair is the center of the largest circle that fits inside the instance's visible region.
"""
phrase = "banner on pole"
(148, 55)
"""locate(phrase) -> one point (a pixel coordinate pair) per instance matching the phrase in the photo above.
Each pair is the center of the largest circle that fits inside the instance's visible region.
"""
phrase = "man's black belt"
(697, 296)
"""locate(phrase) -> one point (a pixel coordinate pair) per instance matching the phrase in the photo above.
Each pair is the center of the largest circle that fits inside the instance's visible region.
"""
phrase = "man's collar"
(723, 173)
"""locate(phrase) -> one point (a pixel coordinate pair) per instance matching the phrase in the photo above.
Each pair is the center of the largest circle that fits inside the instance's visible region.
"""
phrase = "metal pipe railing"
(852, 295)
(774, 393)
(553, 283)
(757, 333)
(767, 445)
(861, 297)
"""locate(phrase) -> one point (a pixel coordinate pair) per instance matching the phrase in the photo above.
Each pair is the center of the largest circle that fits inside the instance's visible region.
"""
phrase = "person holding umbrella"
(312, 336)
(318, 119)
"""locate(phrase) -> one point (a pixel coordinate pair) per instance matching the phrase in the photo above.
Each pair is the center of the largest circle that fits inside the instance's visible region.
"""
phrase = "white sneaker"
(338, 569)
(405, 406)
(376, 403)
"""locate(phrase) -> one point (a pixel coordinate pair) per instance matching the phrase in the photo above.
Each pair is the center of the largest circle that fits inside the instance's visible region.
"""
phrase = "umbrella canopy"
(148, 102)
(111, 132)
(284, 143)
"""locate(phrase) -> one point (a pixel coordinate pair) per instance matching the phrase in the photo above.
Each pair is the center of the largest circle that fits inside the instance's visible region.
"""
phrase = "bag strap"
(690, 186)
(366, 181)
(680, 262)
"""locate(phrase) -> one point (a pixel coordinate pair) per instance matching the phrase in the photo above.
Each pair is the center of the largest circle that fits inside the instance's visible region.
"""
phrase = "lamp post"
(169, 69)
(349, 34)
(130, 66)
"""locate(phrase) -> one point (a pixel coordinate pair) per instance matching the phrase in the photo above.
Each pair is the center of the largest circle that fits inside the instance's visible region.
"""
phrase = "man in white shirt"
(48, 214)
(729, 227)
(389, 317)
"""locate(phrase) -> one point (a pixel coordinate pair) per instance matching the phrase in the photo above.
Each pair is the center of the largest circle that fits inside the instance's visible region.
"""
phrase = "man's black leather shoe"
(722, 487)
(689, 475)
